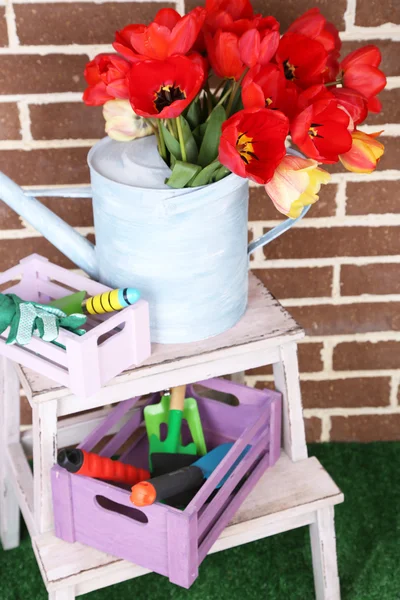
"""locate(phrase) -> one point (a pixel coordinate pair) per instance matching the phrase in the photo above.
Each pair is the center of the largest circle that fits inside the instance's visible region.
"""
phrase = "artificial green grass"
(279, 567)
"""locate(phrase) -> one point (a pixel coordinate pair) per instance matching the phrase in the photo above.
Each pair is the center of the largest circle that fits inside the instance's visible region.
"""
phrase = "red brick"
(75, 211)
(78, 22)
(335, 241)
(377, 197)
(309, 360)
(390, 112)
(348, 318)
(313, 427)
(3, 27)
(11, 252)
(261, 207)
(372, 13)
(390, 51)
(346, 393)
(9, 122)
(370, 279)
(41, 74)
(366, 428)
(8, 218)
(46, 167)
(364, 356)
(287, 12)
(72, 120)
(297, 283)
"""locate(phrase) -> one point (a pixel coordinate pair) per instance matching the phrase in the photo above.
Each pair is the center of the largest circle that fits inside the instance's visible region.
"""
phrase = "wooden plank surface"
(265, 324)
(287, 496)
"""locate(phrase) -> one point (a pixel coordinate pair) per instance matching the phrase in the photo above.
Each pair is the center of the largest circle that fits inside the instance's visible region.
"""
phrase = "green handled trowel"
(170, 454)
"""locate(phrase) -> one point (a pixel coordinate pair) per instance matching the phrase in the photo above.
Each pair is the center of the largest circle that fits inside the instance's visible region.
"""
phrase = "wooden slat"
(22, 479)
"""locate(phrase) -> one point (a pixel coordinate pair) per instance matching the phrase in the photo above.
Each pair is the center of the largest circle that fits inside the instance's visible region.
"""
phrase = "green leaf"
(189, 141)
(171, 143)
(221, 173)
(193, 115)
(182, 173)
(206, 175)
(210, 144)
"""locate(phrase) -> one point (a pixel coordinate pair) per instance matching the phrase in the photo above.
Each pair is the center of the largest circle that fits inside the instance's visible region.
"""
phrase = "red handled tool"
(92, 465)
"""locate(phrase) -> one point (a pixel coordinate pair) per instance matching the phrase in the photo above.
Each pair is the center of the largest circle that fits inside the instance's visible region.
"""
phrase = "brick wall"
(338, 272)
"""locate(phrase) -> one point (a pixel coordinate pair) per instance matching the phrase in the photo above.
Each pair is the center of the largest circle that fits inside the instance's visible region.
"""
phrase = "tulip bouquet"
(223, 91)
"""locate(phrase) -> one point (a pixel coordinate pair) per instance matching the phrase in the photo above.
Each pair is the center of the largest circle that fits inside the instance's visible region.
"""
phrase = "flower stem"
(235, 88)
(170, 127)
(181, 140)
(220, 101)
(208, 96)
(162, 146)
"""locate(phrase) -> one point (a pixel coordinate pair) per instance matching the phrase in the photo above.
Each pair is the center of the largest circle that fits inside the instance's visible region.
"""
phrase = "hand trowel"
(169, 454)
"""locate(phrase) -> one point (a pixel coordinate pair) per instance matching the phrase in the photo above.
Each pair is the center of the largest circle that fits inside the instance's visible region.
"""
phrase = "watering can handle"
(275, 232)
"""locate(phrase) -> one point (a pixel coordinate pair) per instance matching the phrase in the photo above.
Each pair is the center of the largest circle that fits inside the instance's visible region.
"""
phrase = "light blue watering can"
(185, 250)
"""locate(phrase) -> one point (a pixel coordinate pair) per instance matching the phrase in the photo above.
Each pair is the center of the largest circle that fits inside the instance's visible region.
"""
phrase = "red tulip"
(259, 44)
(163, 89)
(360, 73)
(224, 55)
(267, 87)
(253, 143)
(355, 103)
(321, 129)
(222, 14)
(106, 75)
(302, 60)
(167, 35)
(314, 26)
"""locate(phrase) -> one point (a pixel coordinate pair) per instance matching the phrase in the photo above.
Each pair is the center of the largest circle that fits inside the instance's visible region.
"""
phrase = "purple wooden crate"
(113, 342)
(158, 537)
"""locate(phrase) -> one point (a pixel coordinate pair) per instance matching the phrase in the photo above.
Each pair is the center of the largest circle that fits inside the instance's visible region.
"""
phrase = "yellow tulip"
(122, 124)
(364, 154)
(295, 184)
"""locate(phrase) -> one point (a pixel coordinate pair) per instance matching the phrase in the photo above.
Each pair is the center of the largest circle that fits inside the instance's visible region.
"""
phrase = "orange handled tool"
(92, 465)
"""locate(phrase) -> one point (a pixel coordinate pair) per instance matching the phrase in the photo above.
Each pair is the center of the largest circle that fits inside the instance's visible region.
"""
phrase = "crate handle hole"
(223, 397)
(121, 509)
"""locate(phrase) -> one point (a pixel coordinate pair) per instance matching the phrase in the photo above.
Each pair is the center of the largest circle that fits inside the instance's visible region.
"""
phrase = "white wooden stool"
(296, 492)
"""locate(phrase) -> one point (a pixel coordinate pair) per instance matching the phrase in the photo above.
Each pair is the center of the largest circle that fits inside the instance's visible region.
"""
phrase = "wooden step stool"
(294, 493)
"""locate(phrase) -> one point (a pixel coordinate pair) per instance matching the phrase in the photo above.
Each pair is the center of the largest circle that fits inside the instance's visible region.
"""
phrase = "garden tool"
(28, 318)
(170, 454)
(97, 305)
(92, 465)
(185, 479)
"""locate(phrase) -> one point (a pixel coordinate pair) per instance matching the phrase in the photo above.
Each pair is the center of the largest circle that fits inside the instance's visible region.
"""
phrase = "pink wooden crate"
(163, 539)
(113, 342)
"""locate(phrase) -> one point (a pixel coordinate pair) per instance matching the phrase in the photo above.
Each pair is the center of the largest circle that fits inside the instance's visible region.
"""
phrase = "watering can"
(186, 249)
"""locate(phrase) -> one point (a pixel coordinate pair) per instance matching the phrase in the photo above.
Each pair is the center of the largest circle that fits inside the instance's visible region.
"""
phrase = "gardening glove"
(28, 318)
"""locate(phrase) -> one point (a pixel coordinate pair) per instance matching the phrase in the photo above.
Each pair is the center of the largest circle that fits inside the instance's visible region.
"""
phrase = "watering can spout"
(64, 237)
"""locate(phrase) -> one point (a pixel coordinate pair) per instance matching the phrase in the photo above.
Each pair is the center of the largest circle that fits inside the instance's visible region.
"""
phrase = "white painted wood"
(287, 496)
(287, 381)
(66, 593)
(265, 325)
(238, 377)
(22, 481)
(44, 427)
(9, 434)
(323, 546)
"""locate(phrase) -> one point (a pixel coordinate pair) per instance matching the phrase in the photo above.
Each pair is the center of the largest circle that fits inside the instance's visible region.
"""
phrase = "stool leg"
(9, 434)
(287, 381)
(63, 594)
(44, 428)
(323, 546)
